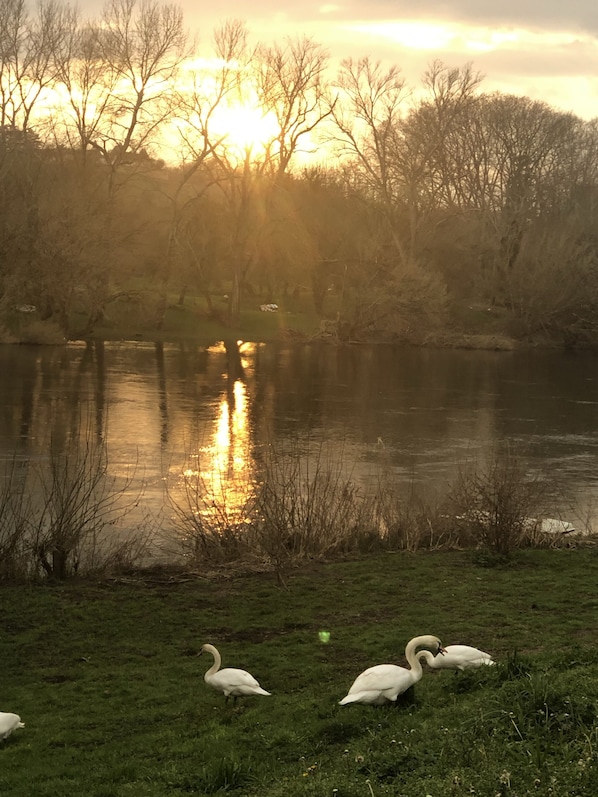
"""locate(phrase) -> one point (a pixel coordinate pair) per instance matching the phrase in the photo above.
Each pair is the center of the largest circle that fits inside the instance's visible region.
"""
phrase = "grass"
(128, 320)
(132, 317)
(104, 674)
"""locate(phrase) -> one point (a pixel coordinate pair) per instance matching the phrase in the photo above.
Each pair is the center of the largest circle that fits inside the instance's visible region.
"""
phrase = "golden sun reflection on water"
(231, 438)
(222, 477)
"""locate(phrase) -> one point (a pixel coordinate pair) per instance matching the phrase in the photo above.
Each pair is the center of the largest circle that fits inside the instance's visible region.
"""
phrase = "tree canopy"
(118, 168)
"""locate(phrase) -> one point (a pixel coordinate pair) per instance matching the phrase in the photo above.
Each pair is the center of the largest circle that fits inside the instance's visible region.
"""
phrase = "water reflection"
(174, 412)
(222, 470)
(219, 472)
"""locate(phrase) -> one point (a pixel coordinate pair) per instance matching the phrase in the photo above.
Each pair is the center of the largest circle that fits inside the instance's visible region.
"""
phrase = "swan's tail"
(260, 691)
(474, 663)
(355, 698)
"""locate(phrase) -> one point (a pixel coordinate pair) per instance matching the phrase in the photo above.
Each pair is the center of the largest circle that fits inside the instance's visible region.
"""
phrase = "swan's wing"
(9, 723)
(465, 651)
(462, 657)
(382, 678)
(380, 684)
(232, 681)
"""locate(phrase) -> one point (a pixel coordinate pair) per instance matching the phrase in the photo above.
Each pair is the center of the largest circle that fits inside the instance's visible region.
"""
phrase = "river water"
(163, 410)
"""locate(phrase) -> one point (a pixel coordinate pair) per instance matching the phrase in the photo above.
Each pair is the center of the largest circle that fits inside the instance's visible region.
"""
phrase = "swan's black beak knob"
(441, 650)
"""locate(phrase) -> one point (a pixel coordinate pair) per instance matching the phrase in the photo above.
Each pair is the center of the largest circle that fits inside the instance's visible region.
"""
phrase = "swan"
(8, 724)
(457, 657)
(383, 683)
(233, 682)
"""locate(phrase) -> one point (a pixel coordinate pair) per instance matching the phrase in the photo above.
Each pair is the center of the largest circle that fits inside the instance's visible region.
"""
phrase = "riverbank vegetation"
(105, 676)
(67, 515)
(365, 209)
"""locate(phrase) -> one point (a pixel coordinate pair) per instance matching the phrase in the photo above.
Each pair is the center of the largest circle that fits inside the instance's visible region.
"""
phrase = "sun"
(246, 127)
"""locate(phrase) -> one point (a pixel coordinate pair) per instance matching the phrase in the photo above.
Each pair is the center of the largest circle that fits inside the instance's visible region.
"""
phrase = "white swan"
(8, 724)
(457, 657)
(383, 683)
(234, 683)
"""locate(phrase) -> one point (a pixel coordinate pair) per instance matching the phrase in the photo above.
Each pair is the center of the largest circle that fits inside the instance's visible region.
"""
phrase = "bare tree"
(367, 114)
(119, 74)
(90, 85)
(291, 85)
(208, 85)
(423, 149)
(500, 193)
(286, 83)
(29, 47)
(143, 45)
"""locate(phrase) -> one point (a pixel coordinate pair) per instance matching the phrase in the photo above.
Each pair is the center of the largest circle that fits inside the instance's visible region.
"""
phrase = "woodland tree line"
(417, 202)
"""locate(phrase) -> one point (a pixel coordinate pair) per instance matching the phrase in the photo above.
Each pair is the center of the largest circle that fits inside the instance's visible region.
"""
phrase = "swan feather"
(230, 680)
(383, 683)
(9, 723)
(459, 657)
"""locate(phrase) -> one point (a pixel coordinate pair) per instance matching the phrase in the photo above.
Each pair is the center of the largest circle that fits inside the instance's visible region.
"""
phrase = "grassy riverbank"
(295, 319)
(132, 317)
(193, 321)
(106, 679)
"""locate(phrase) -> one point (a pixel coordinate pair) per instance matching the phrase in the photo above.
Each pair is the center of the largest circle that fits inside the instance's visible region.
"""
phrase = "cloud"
(547, 49)
(550, 14)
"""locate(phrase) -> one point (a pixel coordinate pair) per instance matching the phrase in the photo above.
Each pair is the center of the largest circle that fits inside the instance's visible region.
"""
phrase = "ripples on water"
(170, 412)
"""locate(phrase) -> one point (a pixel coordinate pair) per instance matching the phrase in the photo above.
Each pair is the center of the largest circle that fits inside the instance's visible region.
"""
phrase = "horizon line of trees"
(460, 197)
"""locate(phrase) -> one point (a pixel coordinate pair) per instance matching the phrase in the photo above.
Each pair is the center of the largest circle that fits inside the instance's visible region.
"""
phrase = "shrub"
(212, 518)
(409, 522)
(309, 507)
(492, 506)
(58, 516)
(15, 521)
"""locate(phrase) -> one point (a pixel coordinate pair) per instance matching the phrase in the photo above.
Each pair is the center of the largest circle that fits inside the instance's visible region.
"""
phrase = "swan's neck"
(414, 657)
(427, 656)
(217, 662)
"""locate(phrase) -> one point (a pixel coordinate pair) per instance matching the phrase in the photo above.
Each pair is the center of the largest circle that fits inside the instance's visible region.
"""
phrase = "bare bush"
(61, 516)
(77, 502)
(211, 527)
(302, 507)
(307, 505)
(492, 506)
(408, 522)
(310, 507)
(15, 520)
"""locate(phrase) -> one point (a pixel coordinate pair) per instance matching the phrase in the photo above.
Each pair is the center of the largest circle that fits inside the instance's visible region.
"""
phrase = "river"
(420, 414)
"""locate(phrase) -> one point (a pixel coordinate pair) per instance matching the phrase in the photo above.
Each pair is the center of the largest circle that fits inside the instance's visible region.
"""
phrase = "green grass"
(106, 679)
(129, 320)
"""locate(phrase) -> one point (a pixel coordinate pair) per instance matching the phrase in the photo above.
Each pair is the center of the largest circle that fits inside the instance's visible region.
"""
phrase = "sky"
(544, 49)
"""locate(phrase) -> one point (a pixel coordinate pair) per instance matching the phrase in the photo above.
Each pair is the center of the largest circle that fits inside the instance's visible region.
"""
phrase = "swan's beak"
(441, 650)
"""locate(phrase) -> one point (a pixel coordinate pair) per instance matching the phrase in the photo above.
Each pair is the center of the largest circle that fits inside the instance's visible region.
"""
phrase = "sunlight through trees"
(137, 167)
